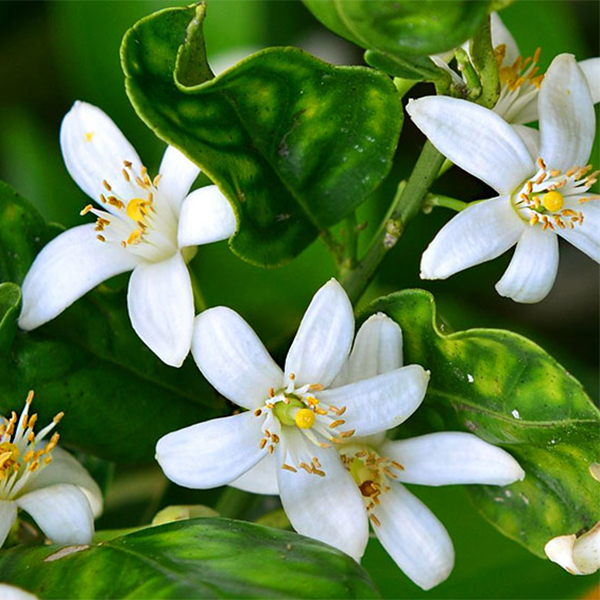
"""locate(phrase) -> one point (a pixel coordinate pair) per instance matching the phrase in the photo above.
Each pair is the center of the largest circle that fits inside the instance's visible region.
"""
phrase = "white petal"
(94, 149)
(377, 348)
(329, 509)
(233, 359)
(413, 536)
(501, 35)
(206, 216)
(260, 479)
(212, 453)
(67, 268)
(532, 269)
(324, 337)
(62, 512)
(474, 138)
(586, 236)
(8, 516)
(591, 70)
(452, 457)
(65, 468)
(10, 592)
(567, 119)
(161, 308)
(530, 136)
(379, 403)
(579, 556)
(177, 174)
(479, 233)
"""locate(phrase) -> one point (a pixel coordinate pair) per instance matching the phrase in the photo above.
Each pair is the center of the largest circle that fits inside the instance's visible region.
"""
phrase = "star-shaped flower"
(293, 420)
(148, 226)
(538, 199)
(45, 481)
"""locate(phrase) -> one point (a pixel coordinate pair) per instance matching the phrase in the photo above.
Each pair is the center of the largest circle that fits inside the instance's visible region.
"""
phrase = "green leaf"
(295, 144)
(403, 27)
(119, 398)
(200, 558)
(510, 392)
(418, 68)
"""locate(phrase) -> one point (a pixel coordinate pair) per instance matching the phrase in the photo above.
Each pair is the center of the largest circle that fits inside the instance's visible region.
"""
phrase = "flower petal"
(479, 233)
(8, 515)
(161, 308)
(585, 236)
(324, 338)
(452, 457)
(206, 216)
(476, 139)
(177, 174)
(577, 555)
(212, 453)
(233, 359)
(377, 348)
(62, 512)
(65, 468)
(260, 479)
(413, 536)
(591, 70)
(567, 119)
(329, 509)
(502, 36)
(532, 270)
(67, 268)
(379, 403)
(94, 150)
(530, 136)
(11, 592)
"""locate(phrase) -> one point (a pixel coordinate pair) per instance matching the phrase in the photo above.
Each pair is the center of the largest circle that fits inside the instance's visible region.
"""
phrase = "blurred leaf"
(403, 27)
(119, 398)
(511, 393)
(296, 144)
(203, 558)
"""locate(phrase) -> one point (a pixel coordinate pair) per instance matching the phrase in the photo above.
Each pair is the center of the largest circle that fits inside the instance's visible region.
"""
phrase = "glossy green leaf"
(402, 27)
(293, 142)
(119, 398)
(510, 392)
(199, 558)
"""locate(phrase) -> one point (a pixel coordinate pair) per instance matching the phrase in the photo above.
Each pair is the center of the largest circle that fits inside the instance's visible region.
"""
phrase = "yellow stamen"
(136, 234)
(305, 418)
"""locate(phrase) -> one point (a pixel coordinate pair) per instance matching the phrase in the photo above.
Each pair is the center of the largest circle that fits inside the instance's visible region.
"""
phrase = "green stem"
(404, 207)
(199, 300)
(448, 164)
(471, 77)
(404, 85)
(484, 60)
(350, 244)
(432, 200)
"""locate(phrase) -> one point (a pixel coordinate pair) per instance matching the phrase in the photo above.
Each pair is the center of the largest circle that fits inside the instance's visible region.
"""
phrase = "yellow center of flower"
(305, 418)
(553, 201)
(136, 209)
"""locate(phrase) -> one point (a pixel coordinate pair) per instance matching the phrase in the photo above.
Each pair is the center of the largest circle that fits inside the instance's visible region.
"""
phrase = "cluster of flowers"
(314, 433)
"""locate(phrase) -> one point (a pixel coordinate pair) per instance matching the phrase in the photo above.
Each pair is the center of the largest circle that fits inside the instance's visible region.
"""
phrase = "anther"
(106, 185)
(289, 468)
(334, 424)
(126, 175)
(86, 209)
(100, 238)
(257, 412)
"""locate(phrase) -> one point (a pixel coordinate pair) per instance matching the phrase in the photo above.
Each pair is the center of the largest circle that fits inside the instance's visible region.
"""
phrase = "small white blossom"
(45, 481)
(520, 77)
(578, 554)
(538, 199)
(148, 226)
(285, 441)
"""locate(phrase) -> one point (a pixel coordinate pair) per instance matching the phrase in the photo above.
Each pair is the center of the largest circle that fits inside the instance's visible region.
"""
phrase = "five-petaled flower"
(538, 198)
(148, 226)
(294, 419)
(45, 481)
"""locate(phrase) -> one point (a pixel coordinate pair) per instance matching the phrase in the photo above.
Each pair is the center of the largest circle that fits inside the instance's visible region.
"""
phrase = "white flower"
(145, 226)
(579, 555)
(537, 199)
(10, 592)
(45, 481)
(520, 78)
(293, 418)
